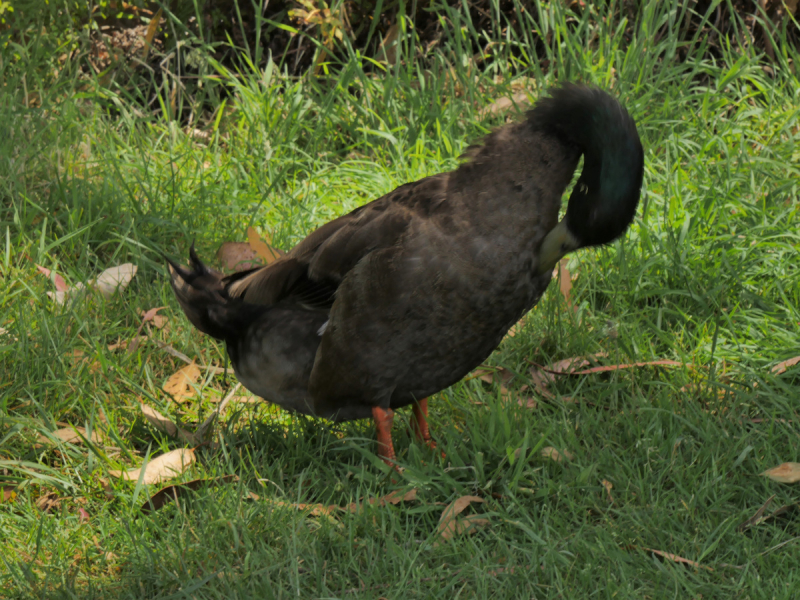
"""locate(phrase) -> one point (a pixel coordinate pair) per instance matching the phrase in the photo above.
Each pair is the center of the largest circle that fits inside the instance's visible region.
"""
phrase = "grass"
(707, 275)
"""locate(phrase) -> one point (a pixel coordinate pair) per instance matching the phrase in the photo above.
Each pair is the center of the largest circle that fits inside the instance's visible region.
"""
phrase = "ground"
(622, 482)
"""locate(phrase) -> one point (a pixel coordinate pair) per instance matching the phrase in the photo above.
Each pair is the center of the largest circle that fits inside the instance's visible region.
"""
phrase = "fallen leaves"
(262, 248)
(555, 455)
(242, 256)
(108, 283)
(565, 283)
(788, 472)
(162, 423)
(114, 279)
(676, 559)
(519, 100)
(782, 366)
(70, 435)
(237, 256)
(180, 384)
(450, 524)
(172, 492)
(162, 468)
(759, 516)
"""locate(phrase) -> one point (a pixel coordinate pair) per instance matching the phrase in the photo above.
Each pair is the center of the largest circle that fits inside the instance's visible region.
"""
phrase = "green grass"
(707, 275)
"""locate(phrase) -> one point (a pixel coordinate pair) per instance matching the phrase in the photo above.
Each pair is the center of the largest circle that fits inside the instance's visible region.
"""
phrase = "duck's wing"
(311, 272)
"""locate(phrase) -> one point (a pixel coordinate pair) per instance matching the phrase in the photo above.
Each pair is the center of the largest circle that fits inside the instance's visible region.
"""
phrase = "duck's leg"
(383, 423)
(419, 423)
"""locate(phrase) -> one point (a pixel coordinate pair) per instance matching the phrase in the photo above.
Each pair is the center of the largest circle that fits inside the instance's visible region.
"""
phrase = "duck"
(402, 297)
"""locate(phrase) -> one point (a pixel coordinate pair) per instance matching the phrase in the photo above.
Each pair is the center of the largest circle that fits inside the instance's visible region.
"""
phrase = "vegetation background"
(131, 129)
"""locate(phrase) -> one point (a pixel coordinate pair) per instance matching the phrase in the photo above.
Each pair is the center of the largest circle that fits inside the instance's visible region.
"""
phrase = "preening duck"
(405, 295)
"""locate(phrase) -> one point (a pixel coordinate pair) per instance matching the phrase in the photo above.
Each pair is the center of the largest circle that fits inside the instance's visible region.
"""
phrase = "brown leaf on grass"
(788, 472)
(565, 282)
(151, 316)
(539, 379)
(48, 501)
(675, 558)
(162, 423)
(152, 28)
(58, 280)
(262, 248)
(516, 328)
(450, 524)
(393, 498)
(389, 46)
(124, 344)
(607, 368)
(172, 492)
(162, 468)
(570, 365)
(114, 279)
(238, 256)
(519, 100)
(179, 384)
(782, 366)
(553, 454)
(70, 435)
(608, 485)
(757, 517)
(491, 375)
(7, 494)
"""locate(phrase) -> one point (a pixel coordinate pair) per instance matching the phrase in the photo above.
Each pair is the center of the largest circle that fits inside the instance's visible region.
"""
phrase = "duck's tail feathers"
(202, 295)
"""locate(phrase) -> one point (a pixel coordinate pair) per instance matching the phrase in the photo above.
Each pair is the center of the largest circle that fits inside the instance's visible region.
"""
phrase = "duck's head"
(604, 200)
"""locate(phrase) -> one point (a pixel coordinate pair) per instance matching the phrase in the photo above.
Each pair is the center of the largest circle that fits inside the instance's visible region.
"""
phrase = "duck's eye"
(564, 246)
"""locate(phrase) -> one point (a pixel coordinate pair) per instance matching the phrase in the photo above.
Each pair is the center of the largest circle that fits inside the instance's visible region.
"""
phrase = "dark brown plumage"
(402, 297)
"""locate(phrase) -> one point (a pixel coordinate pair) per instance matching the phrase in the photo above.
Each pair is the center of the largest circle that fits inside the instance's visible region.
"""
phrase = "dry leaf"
(516, 328)
(676, 558)
(152, 27)
(58, 280)
(114, 279)
(608, 485)
(179, 385)
(389, 45)
(450, 525)
(607, 368)
(539, 379)
(518, 100)
(48, 501)
(123, 344)
(565, 282)
(171, 492)
(785, 364)
(788, 472)
(70, 435)
(570, 365)
(552, 453)
(151, 315)
(164, 467)
(758, 517)
(262, 248)
(238, 256)
(392, 498)
(7, 494)
(162, 423)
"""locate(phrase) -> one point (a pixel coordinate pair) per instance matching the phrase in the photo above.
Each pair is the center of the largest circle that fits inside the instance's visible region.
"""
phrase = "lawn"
(637, 482)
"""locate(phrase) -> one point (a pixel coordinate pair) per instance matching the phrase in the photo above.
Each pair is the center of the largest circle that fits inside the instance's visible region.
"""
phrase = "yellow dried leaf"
(162, 468)
(552, 453)
(179, 385)
(262, 248)
(449, 525)
(788, 472)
